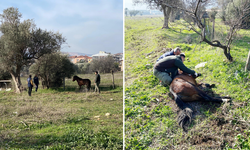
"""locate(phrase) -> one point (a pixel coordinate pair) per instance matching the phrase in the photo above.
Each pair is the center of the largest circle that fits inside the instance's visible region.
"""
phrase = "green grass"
(150, 114)
(58, 119)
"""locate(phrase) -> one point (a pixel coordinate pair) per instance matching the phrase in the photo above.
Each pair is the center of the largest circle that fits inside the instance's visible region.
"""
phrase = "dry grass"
(47, 112)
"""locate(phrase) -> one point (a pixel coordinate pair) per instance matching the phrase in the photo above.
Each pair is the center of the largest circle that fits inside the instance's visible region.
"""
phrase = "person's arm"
(182, 67)
(95, 78)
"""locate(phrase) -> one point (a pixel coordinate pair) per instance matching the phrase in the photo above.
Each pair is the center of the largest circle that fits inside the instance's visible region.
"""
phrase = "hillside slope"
(150, 114)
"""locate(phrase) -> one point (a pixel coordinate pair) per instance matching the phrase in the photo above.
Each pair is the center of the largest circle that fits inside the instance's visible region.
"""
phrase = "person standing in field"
(176, 51)
(97, 82)
(36, 81)
(30, 85)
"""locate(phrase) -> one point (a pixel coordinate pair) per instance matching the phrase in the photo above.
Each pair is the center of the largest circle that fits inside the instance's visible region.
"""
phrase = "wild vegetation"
(63, 119)
(22, 42)
(150, 114)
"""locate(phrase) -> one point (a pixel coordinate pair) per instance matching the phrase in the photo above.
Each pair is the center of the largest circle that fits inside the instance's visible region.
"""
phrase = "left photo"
(61, 74)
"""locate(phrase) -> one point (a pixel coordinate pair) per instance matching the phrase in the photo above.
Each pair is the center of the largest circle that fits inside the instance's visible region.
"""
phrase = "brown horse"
(184, 88)
(81, 82)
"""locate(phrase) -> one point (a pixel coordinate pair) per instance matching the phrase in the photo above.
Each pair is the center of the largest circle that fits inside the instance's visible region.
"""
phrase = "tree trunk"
(112, 72)
(166, 14)
(17, 81)
(47, 81)
(227, 54)
(247, 68)
(212, 38)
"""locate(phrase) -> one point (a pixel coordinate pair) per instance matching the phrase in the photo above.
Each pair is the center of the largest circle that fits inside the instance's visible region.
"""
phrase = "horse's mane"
(76, 77)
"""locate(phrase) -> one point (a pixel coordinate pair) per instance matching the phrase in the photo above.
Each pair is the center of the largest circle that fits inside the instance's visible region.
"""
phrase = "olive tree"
(82, 67)
(104, 65)
(161, 5)
(21, 42)
(4, 75)
(240, 14)
(52, 68)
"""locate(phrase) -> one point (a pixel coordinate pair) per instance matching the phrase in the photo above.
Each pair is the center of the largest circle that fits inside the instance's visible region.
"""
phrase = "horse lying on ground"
(81, 82)
(184, 88)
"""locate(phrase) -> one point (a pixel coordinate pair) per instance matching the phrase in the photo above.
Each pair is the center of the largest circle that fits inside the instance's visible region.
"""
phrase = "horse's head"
(74, 78)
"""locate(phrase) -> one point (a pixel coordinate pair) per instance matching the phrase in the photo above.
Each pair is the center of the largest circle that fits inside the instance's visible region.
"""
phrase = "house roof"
(85, 57)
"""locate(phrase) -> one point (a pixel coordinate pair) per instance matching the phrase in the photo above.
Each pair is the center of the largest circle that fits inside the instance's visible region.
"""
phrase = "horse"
(81, 82)
(184, 88)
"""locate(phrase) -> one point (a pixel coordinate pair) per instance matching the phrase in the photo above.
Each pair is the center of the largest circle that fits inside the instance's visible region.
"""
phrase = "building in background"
(80, 59)
(118, 58)
(101, 54)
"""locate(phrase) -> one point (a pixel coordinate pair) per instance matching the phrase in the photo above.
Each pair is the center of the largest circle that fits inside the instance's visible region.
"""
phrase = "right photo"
(187, 74)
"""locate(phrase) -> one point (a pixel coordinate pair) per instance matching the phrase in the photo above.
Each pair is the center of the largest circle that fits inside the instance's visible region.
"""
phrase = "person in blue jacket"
(176, 51)
(30, 85)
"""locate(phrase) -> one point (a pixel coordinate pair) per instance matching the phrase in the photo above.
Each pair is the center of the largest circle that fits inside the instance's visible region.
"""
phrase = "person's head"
(182, 57)
(30, 76)
(36, 75)
(177, 51)
(96, 72)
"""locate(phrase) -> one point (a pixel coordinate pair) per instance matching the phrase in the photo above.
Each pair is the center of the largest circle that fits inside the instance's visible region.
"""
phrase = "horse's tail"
(185, 115)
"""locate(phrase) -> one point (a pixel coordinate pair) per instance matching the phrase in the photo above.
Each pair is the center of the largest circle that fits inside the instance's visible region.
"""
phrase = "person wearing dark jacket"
(176, 51)
(36, 81)
(97, 82)
(167, 68)
(30, 85)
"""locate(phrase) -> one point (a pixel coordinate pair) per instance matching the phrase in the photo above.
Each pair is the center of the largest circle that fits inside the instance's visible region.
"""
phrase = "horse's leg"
(211, 99)
(207, 85)
(88, 87)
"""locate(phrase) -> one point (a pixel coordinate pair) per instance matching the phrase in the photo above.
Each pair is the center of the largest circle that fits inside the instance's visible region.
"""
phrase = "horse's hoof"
(226, 100)
(212, 85)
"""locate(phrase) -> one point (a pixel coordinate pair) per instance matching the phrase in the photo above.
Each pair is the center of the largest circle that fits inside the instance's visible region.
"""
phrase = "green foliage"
(82, 68)
(4, 75)
(236, 13)
(52, 68)
(242, 142)
(103, 65)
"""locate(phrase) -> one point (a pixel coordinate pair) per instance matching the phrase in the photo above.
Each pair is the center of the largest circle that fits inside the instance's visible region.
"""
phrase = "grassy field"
(57, 119)
(150, 114)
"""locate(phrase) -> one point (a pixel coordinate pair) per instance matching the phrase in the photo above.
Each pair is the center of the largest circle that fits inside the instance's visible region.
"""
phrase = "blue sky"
(129, 4)
(89, 26)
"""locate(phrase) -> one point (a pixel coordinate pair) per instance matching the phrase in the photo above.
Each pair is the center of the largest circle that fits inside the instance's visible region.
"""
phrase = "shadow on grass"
(84, 89)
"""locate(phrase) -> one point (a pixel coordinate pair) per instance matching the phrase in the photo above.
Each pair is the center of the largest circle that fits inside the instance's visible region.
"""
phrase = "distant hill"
(76, 54)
